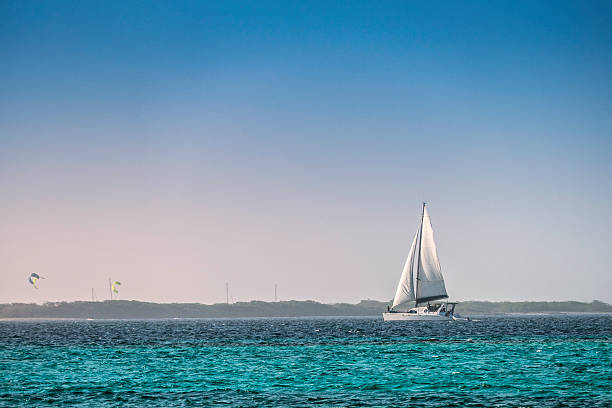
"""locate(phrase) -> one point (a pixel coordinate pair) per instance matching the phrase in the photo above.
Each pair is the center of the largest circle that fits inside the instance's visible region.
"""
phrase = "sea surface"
(501, 361)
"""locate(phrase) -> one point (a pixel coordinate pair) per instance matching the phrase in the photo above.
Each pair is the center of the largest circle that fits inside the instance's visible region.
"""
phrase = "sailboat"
(421, 281)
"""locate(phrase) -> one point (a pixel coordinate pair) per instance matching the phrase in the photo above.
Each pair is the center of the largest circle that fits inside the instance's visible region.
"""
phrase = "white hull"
(397, 316)
(436, 312)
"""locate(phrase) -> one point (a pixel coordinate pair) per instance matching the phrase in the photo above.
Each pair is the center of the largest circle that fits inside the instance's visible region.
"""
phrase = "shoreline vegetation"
(132, 309)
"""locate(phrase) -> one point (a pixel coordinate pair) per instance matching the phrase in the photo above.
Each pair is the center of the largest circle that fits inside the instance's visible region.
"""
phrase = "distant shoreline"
(131, 309)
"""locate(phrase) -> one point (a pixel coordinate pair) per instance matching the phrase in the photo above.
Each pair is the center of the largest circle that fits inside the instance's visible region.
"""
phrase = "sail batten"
(405, 288)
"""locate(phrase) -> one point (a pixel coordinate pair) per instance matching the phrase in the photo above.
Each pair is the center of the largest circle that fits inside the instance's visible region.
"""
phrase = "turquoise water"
(498, 361)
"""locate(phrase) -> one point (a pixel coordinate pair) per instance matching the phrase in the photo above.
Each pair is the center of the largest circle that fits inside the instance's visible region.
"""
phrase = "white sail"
(405, 288)
(430, 284)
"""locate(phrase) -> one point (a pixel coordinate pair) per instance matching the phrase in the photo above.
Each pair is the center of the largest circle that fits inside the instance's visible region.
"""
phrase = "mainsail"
(428, 284)
(405, 288)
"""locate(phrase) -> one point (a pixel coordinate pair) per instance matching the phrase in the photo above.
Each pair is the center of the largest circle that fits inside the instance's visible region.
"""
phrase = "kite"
(114, 286)
(33, 279)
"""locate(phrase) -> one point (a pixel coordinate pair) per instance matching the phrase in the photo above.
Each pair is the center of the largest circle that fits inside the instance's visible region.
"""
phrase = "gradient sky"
(178, 145)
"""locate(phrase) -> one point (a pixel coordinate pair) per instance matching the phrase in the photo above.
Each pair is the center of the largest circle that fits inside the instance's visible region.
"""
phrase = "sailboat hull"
(435, 312)
(401, 316)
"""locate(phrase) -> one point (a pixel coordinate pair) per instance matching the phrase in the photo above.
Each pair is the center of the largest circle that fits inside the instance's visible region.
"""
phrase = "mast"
(227, 293)
(416, 286)
(110, 289)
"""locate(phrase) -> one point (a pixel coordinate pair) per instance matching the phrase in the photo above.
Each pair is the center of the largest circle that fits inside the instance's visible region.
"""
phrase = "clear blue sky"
(178, 145)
